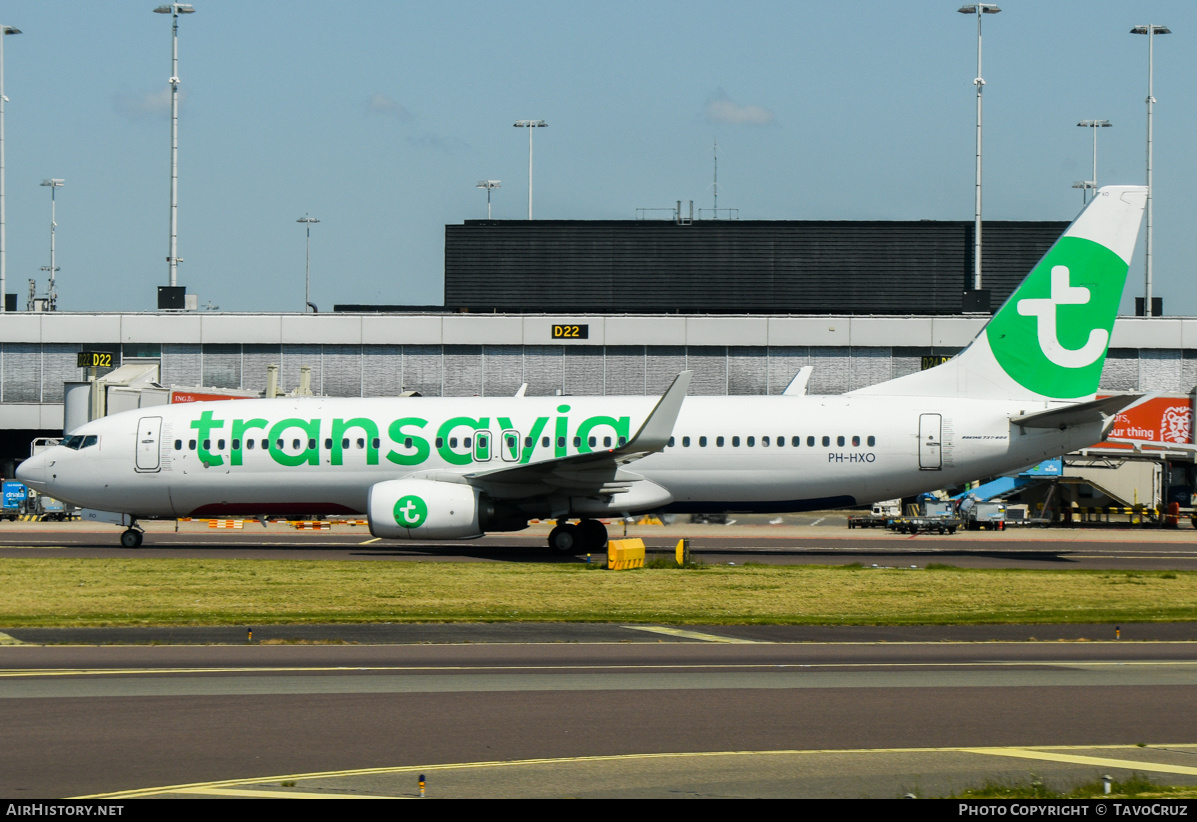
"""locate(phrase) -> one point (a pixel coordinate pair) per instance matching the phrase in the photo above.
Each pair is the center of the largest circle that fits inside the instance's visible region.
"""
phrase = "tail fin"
(1049, 339)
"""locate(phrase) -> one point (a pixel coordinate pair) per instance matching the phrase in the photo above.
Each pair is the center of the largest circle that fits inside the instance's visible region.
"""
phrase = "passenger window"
(178, 445)
(361, 443)
(735, 442)
(856, 441)
(577, 442)
(452, 442)
(511, 442)
(839, 441)
(249, 445)
(872, 441)
(407, 442)
(718, 442)
(810, 442)
(328, 443)
(623, 441)
(191, 445)
(207, 445)
(670, 445)
(545, 442)
(440, 441)
(236, 445)
(764, 442)
(376, 442)
(467, 442)
(593, 441)
(702, 442)
(606, 442)
(685, 442)
(826, 442)
(796, 441)
(220, 445)
(561, 442)
(751, 442)
(312, 444)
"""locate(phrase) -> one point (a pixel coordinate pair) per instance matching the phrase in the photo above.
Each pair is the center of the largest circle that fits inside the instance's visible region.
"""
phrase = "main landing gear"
(587, 537)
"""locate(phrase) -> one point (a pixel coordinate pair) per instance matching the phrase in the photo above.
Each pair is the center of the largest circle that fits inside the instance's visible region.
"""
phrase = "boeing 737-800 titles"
(448, 468)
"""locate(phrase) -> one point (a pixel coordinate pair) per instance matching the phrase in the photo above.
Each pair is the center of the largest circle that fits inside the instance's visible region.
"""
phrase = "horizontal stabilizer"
(1082, 413)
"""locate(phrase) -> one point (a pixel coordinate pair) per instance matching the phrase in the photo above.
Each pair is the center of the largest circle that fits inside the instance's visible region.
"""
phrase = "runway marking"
(367, 542)
(678, 632)
(224, 785)
(1102, 762)
(5, 639)
(17, 673)
(260, 794)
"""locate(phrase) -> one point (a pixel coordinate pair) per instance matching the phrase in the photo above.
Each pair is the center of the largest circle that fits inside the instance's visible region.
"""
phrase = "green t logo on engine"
(410, 511)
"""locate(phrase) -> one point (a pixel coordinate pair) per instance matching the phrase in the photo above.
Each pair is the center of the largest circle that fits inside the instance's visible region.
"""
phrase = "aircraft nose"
(32, 472)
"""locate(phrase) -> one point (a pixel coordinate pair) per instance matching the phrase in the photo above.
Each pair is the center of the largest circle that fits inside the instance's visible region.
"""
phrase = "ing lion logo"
(1176, 425)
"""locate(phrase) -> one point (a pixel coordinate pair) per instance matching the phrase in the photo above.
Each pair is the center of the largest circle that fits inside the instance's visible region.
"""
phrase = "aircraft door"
(482, 446)
(930, 442)
(149, 431)
(510, 447)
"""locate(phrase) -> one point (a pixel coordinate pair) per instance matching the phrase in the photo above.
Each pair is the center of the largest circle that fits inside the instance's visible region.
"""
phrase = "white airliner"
(447, 468)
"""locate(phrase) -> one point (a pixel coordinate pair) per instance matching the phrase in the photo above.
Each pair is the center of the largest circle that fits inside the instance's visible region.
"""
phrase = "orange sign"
(1159, 420)
(199, 396)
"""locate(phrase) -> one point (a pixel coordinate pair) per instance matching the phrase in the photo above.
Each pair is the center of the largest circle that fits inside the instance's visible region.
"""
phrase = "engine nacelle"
(424, 509)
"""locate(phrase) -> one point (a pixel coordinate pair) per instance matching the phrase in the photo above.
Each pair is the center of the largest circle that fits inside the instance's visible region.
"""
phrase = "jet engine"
(425, 509)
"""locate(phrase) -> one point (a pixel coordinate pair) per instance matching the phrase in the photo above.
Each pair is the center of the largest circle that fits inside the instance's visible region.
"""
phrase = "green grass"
(78, 592)
(1136, 786)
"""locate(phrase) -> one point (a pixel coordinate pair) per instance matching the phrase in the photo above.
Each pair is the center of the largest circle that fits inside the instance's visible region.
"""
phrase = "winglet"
(797, 386)
(658, 428)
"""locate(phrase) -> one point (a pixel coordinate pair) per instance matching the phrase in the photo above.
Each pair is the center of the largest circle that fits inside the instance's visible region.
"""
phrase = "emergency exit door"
(930, 442)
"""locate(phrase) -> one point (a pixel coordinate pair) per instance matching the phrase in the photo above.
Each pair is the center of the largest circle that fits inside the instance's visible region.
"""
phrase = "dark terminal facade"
(734, 266)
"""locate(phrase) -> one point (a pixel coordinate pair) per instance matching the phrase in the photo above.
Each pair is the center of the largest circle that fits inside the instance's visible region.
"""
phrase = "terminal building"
(605, 307)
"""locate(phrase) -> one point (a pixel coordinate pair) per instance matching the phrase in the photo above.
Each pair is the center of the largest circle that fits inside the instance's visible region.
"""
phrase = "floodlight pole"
(489, 185)
(52, 293)
(307, 278)
(1094, 125)
(174, 10)
(1150, 30)
(530, 124)
(4, 30)
(978, 9)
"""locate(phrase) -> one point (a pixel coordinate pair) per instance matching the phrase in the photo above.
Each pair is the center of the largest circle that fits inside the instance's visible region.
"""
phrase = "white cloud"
(152, 104)
(722, 109)
(381, 104)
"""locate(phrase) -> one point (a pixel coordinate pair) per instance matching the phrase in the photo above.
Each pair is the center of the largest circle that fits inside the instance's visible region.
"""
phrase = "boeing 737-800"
(449, 468)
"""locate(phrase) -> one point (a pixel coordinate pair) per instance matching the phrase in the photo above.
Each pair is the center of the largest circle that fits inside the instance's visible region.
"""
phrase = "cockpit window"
(78, 441)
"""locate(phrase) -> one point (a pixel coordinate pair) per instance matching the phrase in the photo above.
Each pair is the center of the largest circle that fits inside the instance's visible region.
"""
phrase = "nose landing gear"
(131, 537)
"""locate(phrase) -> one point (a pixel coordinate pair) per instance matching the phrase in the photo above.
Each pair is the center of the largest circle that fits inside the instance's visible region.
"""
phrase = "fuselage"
(300, 456)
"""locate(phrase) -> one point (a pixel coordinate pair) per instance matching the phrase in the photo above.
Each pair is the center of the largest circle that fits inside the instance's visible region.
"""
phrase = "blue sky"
(378, 118)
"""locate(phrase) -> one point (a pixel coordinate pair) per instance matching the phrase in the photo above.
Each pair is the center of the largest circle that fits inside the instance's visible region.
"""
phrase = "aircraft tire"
(564, 539)
(131, 538)
(592, 536)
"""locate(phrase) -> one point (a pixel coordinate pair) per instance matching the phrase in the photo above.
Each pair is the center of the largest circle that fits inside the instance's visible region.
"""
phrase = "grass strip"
(93, 592)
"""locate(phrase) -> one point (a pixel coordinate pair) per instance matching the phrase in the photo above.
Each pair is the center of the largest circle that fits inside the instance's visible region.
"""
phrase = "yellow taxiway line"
(232, 787)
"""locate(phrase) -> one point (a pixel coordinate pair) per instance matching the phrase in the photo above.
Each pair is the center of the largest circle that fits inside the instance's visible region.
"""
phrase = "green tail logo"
(1051, 335)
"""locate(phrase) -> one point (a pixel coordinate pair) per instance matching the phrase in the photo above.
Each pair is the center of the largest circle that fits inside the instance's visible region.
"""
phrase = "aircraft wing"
(1082, 413)
(597, 472)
